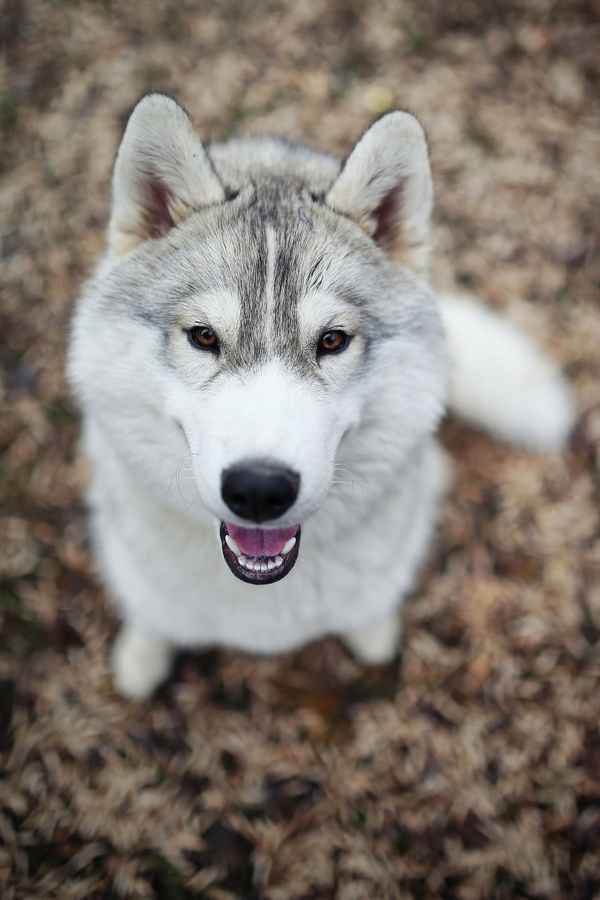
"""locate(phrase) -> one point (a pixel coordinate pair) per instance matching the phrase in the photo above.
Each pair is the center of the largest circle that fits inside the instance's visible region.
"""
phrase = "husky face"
(267, 352)
(273, 291)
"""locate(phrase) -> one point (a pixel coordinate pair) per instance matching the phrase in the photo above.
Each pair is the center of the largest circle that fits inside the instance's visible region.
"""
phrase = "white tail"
(501, 381)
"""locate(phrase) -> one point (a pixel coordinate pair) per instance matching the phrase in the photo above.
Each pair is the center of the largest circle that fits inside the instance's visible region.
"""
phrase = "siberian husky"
(262, 365)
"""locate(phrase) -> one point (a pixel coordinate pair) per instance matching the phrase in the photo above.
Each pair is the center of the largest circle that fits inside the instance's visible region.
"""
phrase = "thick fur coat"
(262, 365)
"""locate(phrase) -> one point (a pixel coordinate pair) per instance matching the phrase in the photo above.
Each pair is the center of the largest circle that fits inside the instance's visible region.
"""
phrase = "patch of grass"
(60, 412)
(476, 132)
(8, 113)
(359, 820)
(358, 61)
(239, 112)
(7, 701)
(418, 37)
(167, 881)
(20, 632)
(10, 602)
(153, 75)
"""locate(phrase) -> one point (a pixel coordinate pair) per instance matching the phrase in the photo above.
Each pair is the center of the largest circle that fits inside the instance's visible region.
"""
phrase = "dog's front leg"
(376, 644)
(141, 661)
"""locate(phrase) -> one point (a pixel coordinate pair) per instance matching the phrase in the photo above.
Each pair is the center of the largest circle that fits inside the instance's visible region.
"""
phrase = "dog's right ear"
(162, 175)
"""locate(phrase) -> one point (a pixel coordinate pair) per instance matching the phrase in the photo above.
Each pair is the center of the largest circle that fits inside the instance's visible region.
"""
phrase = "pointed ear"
(386, 187)
(162, 174)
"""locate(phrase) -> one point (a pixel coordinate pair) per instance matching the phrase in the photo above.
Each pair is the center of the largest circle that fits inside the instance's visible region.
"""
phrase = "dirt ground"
(469, 769)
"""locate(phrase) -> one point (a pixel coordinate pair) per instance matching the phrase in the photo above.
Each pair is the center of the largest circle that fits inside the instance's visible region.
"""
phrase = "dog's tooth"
(242, 560)
(278, 560)
(271, 564)
(288, 545)
(263, 567)
(232, 545)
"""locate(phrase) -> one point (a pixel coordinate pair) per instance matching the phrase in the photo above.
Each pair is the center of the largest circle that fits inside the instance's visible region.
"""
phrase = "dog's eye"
(203, 337)
(333, 342)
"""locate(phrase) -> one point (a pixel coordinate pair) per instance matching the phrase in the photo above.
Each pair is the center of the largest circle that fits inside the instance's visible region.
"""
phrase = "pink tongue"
(261, 541)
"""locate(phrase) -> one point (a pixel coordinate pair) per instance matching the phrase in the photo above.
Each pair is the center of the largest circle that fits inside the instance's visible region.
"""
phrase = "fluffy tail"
(501, 381)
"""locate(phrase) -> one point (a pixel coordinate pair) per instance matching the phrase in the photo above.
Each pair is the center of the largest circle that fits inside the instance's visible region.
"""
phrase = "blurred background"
(471, 767)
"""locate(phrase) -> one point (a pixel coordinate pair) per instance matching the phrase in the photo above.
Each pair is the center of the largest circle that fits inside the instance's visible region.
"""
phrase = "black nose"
(259, 491)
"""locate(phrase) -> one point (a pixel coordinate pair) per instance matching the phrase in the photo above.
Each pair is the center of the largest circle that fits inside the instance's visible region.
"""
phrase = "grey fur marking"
(164, 273)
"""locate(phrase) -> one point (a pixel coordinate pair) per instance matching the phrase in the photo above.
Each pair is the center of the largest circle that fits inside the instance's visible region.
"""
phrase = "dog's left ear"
(386, 187)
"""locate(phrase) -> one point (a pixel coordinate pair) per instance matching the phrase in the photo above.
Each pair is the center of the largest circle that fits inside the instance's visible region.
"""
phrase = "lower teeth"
(255, 565)
(259, 564)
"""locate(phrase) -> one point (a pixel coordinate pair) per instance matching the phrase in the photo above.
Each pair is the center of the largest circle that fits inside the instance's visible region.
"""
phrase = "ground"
(471, 767)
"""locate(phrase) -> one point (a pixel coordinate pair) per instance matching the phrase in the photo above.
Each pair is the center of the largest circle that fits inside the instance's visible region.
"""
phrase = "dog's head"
(285, 295)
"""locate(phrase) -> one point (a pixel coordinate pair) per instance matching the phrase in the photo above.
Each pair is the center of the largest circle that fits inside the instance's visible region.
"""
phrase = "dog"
(262, 365)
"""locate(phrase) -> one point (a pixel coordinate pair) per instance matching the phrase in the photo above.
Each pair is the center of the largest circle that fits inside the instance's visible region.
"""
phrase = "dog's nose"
(258, 491)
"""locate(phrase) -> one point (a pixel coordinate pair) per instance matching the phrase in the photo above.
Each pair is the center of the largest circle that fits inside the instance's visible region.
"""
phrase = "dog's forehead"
(281, 246)
(268, 244)
(282, 269)
(268, 274)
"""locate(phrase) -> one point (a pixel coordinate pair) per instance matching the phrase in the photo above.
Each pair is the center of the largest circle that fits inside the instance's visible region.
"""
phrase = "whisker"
(176, 476)
(353, 483)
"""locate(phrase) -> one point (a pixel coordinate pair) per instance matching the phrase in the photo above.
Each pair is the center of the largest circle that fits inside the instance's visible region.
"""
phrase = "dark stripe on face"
(289, 284)
(270, 262)
(243, 269)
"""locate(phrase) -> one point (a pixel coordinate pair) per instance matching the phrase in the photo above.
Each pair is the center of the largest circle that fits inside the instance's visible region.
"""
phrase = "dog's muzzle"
(259, 492)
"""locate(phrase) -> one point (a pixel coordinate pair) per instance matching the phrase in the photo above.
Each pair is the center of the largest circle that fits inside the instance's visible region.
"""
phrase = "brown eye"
(333, 342)
(203, 337)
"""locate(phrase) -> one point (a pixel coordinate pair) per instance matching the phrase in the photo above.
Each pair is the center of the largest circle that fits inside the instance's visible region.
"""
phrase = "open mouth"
(260, 555)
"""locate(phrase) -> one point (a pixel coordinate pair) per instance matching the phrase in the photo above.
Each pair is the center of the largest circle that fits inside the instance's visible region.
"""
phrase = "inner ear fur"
(386, 188)
(162, 174)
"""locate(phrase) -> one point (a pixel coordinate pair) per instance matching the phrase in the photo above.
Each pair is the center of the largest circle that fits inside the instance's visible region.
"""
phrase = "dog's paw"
(377, 644)
(140, 662)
